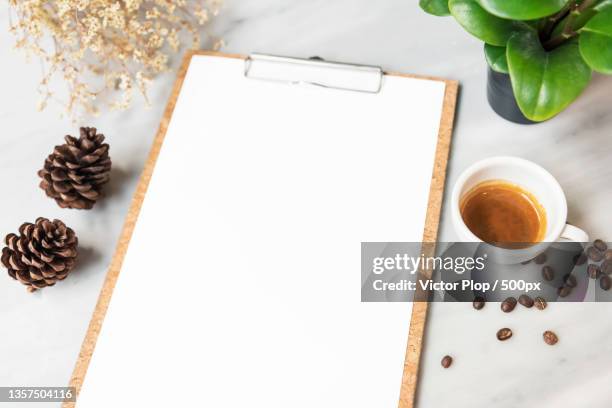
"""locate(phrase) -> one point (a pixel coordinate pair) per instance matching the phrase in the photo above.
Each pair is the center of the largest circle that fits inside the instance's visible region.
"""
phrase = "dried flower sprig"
(104, 49)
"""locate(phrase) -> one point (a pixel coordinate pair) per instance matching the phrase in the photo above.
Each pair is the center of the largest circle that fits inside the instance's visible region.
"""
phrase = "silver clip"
(317, 72)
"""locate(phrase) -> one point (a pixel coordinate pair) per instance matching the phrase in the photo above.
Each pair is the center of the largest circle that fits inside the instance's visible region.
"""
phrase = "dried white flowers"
(104, 49)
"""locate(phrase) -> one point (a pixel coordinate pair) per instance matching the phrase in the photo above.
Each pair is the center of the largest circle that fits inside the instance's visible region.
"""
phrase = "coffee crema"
(503, 214)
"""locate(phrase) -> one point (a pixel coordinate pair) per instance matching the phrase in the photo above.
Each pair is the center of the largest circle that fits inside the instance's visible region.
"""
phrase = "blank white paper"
(241, 285)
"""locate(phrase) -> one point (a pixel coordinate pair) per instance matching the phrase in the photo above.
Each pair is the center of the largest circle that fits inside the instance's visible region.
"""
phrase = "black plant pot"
(501, 98)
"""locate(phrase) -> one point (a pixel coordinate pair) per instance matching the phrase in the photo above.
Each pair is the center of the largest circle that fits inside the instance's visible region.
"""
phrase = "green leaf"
(496, 58)
(545, 82)
(602, 4)
(522, 9)
(596, 42)
(487, 27)
(435, 7)
(537, 24)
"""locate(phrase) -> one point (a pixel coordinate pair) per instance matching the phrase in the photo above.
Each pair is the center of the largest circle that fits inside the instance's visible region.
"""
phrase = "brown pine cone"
(41, 254)
(75, 172)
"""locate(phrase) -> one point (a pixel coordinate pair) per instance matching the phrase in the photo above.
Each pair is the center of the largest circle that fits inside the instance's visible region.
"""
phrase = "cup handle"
(575, 234)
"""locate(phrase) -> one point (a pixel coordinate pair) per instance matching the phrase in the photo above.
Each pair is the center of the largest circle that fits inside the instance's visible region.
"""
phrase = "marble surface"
(40, 334)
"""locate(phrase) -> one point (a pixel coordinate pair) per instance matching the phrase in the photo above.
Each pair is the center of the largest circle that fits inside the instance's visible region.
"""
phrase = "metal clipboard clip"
(315, 72)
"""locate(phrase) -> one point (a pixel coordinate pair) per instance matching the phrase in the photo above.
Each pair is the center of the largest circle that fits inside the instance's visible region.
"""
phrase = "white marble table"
(40, 334)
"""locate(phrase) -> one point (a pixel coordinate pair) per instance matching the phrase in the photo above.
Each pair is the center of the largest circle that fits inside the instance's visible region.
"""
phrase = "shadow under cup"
(526, 175)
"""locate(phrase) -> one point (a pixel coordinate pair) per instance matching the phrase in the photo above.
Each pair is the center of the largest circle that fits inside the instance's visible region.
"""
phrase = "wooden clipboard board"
(419, 311)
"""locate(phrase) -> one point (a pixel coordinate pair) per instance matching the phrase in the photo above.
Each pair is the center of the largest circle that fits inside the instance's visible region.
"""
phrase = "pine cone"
(42, 254)
(76, 171)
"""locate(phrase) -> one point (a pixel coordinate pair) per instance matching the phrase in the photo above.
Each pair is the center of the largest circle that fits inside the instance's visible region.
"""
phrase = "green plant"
(549, 47)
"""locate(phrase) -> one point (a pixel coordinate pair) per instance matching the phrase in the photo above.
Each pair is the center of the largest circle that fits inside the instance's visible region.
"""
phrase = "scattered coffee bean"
(550, 338)
(540, 303)
(606, 267)
(446, 361)
(479, 302)
(593, 271)
(600, 245)
(526, 300)
(504, 334)
(540, 259)
(605, 282)
(548, 273)
(570, 280)
(580, 259)
(564, 291)
(594, 254)
(508, 304)
(608, 255)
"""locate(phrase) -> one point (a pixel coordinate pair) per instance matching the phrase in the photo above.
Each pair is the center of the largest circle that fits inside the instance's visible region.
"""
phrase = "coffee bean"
(606, 267)
(540, 303)
(580, 259)
(548, 273)
(605, 282)
(508, 304)
(526, 300)
(479, 302)
(564, 291)
(593, 271)
(504, 334)
(446, 361)
(550, 338)
(540, 259)
(608, 255)
(600, 245)
(570, 280)
(594, 254)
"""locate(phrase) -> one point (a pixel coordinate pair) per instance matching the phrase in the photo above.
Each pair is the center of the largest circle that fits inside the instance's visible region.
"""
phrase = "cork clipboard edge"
(419, 311)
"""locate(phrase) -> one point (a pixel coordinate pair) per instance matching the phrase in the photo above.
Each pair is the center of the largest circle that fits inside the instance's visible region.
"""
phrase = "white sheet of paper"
(241, 286)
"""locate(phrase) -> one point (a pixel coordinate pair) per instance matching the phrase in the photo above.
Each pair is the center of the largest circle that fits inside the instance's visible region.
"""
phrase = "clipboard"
(370, 80)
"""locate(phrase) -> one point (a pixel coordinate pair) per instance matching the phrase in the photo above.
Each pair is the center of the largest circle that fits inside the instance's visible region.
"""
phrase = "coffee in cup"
(503, 214)
(510, 200)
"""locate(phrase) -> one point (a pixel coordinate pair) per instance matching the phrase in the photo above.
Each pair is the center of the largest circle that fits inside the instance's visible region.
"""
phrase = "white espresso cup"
(532, 178)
